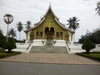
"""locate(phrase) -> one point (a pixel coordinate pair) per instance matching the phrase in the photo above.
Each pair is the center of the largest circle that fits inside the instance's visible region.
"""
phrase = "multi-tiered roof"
(43, 19)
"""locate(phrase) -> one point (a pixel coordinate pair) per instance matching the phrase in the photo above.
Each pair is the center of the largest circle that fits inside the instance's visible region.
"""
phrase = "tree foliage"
(98, 8)
(2, 40)
(28, 23)
(12, 32)
(19, 28)
(88, 45)
(73, 23)
(10, 44)
(92, 36)
(8, 18)
(1, 31)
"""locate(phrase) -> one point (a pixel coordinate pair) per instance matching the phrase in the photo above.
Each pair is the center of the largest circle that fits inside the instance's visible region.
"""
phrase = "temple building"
(49, 28)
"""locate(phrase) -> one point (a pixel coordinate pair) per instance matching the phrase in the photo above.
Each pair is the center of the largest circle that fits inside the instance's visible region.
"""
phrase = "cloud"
(33, 10)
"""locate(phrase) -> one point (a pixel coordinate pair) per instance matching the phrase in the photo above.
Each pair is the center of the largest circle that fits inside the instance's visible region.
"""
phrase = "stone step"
(49, 43)
(48, 49)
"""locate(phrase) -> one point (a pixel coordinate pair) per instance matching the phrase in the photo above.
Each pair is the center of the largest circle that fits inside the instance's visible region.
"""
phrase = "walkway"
(61, 58)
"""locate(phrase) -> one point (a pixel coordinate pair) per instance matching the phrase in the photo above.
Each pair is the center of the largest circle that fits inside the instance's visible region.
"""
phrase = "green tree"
(73, 24)
(2, 40)
(28, 25)
(12, 32)
(96, 35)
(88, 45)
(92, 36)
(10, 44)
(1, 31)
(8, 19)
(98, 8)
(70, 23)
(81, 40)
(19, 28)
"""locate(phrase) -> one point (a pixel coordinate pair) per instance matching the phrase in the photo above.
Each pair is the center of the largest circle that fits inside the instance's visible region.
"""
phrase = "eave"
(43, 19)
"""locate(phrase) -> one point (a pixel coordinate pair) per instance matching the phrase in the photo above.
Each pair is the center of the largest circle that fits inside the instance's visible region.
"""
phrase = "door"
(49, 35)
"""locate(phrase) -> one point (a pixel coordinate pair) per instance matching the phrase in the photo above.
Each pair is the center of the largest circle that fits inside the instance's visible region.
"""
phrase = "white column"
(28, 39)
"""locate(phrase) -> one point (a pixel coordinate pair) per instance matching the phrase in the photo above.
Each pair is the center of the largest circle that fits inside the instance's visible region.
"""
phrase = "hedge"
(92, 55)
(2, 55)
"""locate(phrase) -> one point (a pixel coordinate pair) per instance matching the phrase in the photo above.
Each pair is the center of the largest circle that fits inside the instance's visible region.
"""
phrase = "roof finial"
(50, 3)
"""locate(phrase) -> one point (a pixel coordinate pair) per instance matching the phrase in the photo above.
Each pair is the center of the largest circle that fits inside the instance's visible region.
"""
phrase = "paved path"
(61, 58)
(13, 68)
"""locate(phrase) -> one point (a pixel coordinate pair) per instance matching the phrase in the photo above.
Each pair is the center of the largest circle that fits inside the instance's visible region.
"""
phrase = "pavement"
(56, 58)
(19, 68)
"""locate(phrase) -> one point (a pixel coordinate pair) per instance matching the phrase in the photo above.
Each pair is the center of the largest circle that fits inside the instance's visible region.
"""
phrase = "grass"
(4, 54)
(92, 55)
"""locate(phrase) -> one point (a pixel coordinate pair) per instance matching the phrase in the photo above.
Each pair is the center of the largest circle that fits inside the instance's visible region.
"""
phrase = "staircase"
(48, 48)
(49, 43)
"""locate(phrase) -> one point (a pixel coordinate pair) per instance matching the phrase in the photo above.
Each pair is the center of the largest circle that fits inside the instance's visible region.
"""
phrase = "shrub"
(92, 55)
(2, 51)
(88, 45)
(10, 44)
(2, 40)
(2, 55)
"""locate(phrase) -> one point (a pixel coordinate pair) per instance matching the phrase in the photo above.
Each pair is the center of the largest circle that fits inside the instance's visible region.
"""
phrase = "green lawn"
(92, 55)
(3, 53)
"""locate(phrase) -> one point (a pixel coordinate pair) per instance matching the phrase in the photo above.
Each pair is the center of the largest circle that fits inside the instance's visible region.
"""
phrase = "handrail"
(67, 47)
(29, 46)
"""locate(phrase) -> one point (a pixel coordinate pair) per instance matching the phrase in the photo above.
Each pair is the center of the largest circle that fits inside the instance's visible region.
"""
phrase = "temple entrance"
(49, 33)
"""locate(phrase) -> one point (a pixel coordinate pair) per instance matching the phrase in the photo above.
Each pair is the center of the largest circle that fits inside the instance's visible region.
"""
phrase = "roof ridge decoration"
(43, 18)
(50, 8)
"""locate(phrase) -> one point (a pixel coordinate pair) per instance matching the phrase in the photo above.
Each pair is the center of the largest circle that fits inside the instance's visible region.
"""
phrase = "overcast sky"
(33, 10)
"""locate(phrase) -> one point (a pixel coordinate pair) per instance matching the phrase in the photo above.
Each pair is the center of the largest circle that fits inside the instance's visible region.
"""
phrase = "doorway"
(49, 33)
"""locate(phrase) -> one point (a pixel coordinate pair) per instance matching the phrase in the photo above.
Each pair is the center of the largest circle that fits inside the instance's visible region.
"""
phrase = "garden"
(6, 46)
(92, 55)
(4, 53)
(87, 46)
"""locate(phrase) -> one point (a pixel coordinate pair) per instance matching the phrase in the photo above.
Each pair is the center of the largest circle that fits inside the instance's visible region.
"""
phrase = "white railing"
(67, 47)
(28, 50)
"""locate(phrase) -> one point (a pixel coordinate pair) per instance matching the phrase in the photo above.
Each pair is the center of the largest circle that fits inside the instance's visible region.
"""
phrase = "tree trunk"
(19, 35)
(9, 51)
(7, 31)
(87, 51)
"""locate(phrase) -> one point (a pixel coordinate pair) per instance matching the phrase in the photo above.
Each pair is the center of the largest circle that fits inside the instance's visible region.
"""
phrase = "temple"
(49, 36)
(49, 28)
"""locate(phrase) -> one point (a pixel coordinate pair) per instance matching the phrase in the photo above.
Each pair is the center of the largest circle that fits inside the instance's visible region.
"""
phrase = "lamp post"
(7, 19)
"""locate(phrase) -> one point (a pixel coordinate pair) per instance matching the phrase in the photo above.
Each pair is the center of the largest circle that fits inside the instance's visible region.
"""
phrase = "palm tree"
(28, 23)
(70, 23)
(12, 33)
(73, 24)
(98, 8)
(8, 18)
(19, 28)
